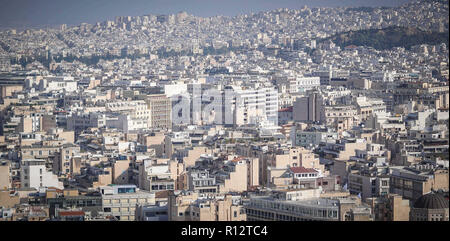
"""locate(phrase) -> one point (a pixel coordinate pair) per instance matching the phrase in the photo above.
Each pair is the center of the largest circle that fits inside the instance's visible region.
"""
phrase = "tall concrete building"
(308, 108)
(160, 107)
(254, 105)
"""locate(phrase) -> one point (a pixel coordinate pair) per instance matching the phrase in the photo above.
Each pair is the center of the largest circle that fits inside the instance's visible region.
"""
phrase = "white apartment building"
(301, 84)
(155, 177)
(81, 121)
(126, 122)
(51, 83)
(256, 105)
(137, 108)
(313, 138)
(34, 174)
(367, 107)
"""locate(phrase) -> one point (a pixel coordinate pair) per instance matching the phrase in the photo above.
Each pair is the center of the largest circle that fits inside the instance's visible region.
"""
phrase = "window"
(126, 190)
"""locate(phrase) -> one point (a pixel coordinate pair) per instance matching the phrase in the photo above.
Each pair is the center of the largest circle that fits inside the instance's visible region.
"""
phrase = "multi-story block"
(120, 201)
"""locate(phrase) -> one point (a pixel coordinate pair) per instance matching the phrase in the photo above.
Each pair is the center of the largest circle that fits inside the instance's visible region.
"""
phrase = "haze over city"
(48, 13)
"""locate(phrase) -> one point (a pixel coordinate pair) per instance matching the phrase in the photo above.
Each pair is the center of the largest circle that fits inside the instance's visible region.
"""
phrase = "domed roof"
(431, 201)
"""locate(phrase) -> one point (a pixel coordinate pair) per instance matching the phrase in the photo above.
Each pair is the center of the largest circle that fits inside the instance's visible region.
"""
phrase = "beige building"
(340, 153)
(119, 201)
(252, 172)
(282, 159)
(189, 206)
(160, 107)
(340, 117)
(391, 207)
(194, 154)
(413, 182)
(153, 141)
(5, 175)
(65, 162)
(120, 172)
(8, 90)
(8, 199)
(235, 177)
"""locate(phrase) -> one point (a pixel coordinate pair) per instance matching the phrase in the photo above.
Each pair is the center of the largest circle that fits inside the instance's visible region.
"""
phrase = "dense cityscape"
(309, 114)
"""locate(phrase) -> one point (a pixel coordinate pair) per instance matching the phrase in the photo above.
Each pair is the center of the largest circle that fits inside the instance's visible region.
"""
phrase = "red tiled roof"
(302, 170)
(288, 109)
(71, 213)
(239, 158)
(351, 47)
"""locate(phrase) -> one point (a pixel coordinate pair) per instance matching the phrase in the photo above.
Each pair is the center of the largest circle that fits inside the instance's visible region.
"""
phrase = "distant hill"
(388, 38)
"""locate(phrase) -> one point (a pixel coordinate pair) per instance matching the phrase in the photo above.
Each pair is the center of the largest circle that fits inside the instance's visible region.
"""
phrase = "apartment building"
(120, 201)
(192, 206)
(308, 108)
(160, 107)
(34, 174)
(233, 177)
(368, 185)
(276, 208)
(415, 181)
(391, 207)
(155, 176)
(157, 212)
(66, 161)
(312, 138)
(254, 105)
(201, 181)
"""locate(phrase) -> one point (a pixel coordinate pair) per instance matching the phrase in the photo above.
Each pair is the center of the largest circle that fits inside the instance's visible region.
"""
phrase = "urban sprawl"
(277, 115)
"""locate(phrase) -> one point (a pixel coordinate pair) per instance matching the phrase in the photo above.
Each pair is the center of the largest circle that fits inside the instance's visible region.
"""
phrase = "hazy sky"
(29, 13)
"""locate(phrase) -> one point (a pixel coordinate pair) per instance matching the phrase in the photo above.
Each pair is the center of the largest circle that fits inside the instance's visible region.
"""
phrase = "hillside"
(388, 38)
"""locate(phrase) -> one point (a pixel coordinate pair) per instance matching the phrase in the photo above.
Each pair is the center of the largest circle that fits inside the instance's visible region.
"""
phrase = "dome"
(431, 201)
